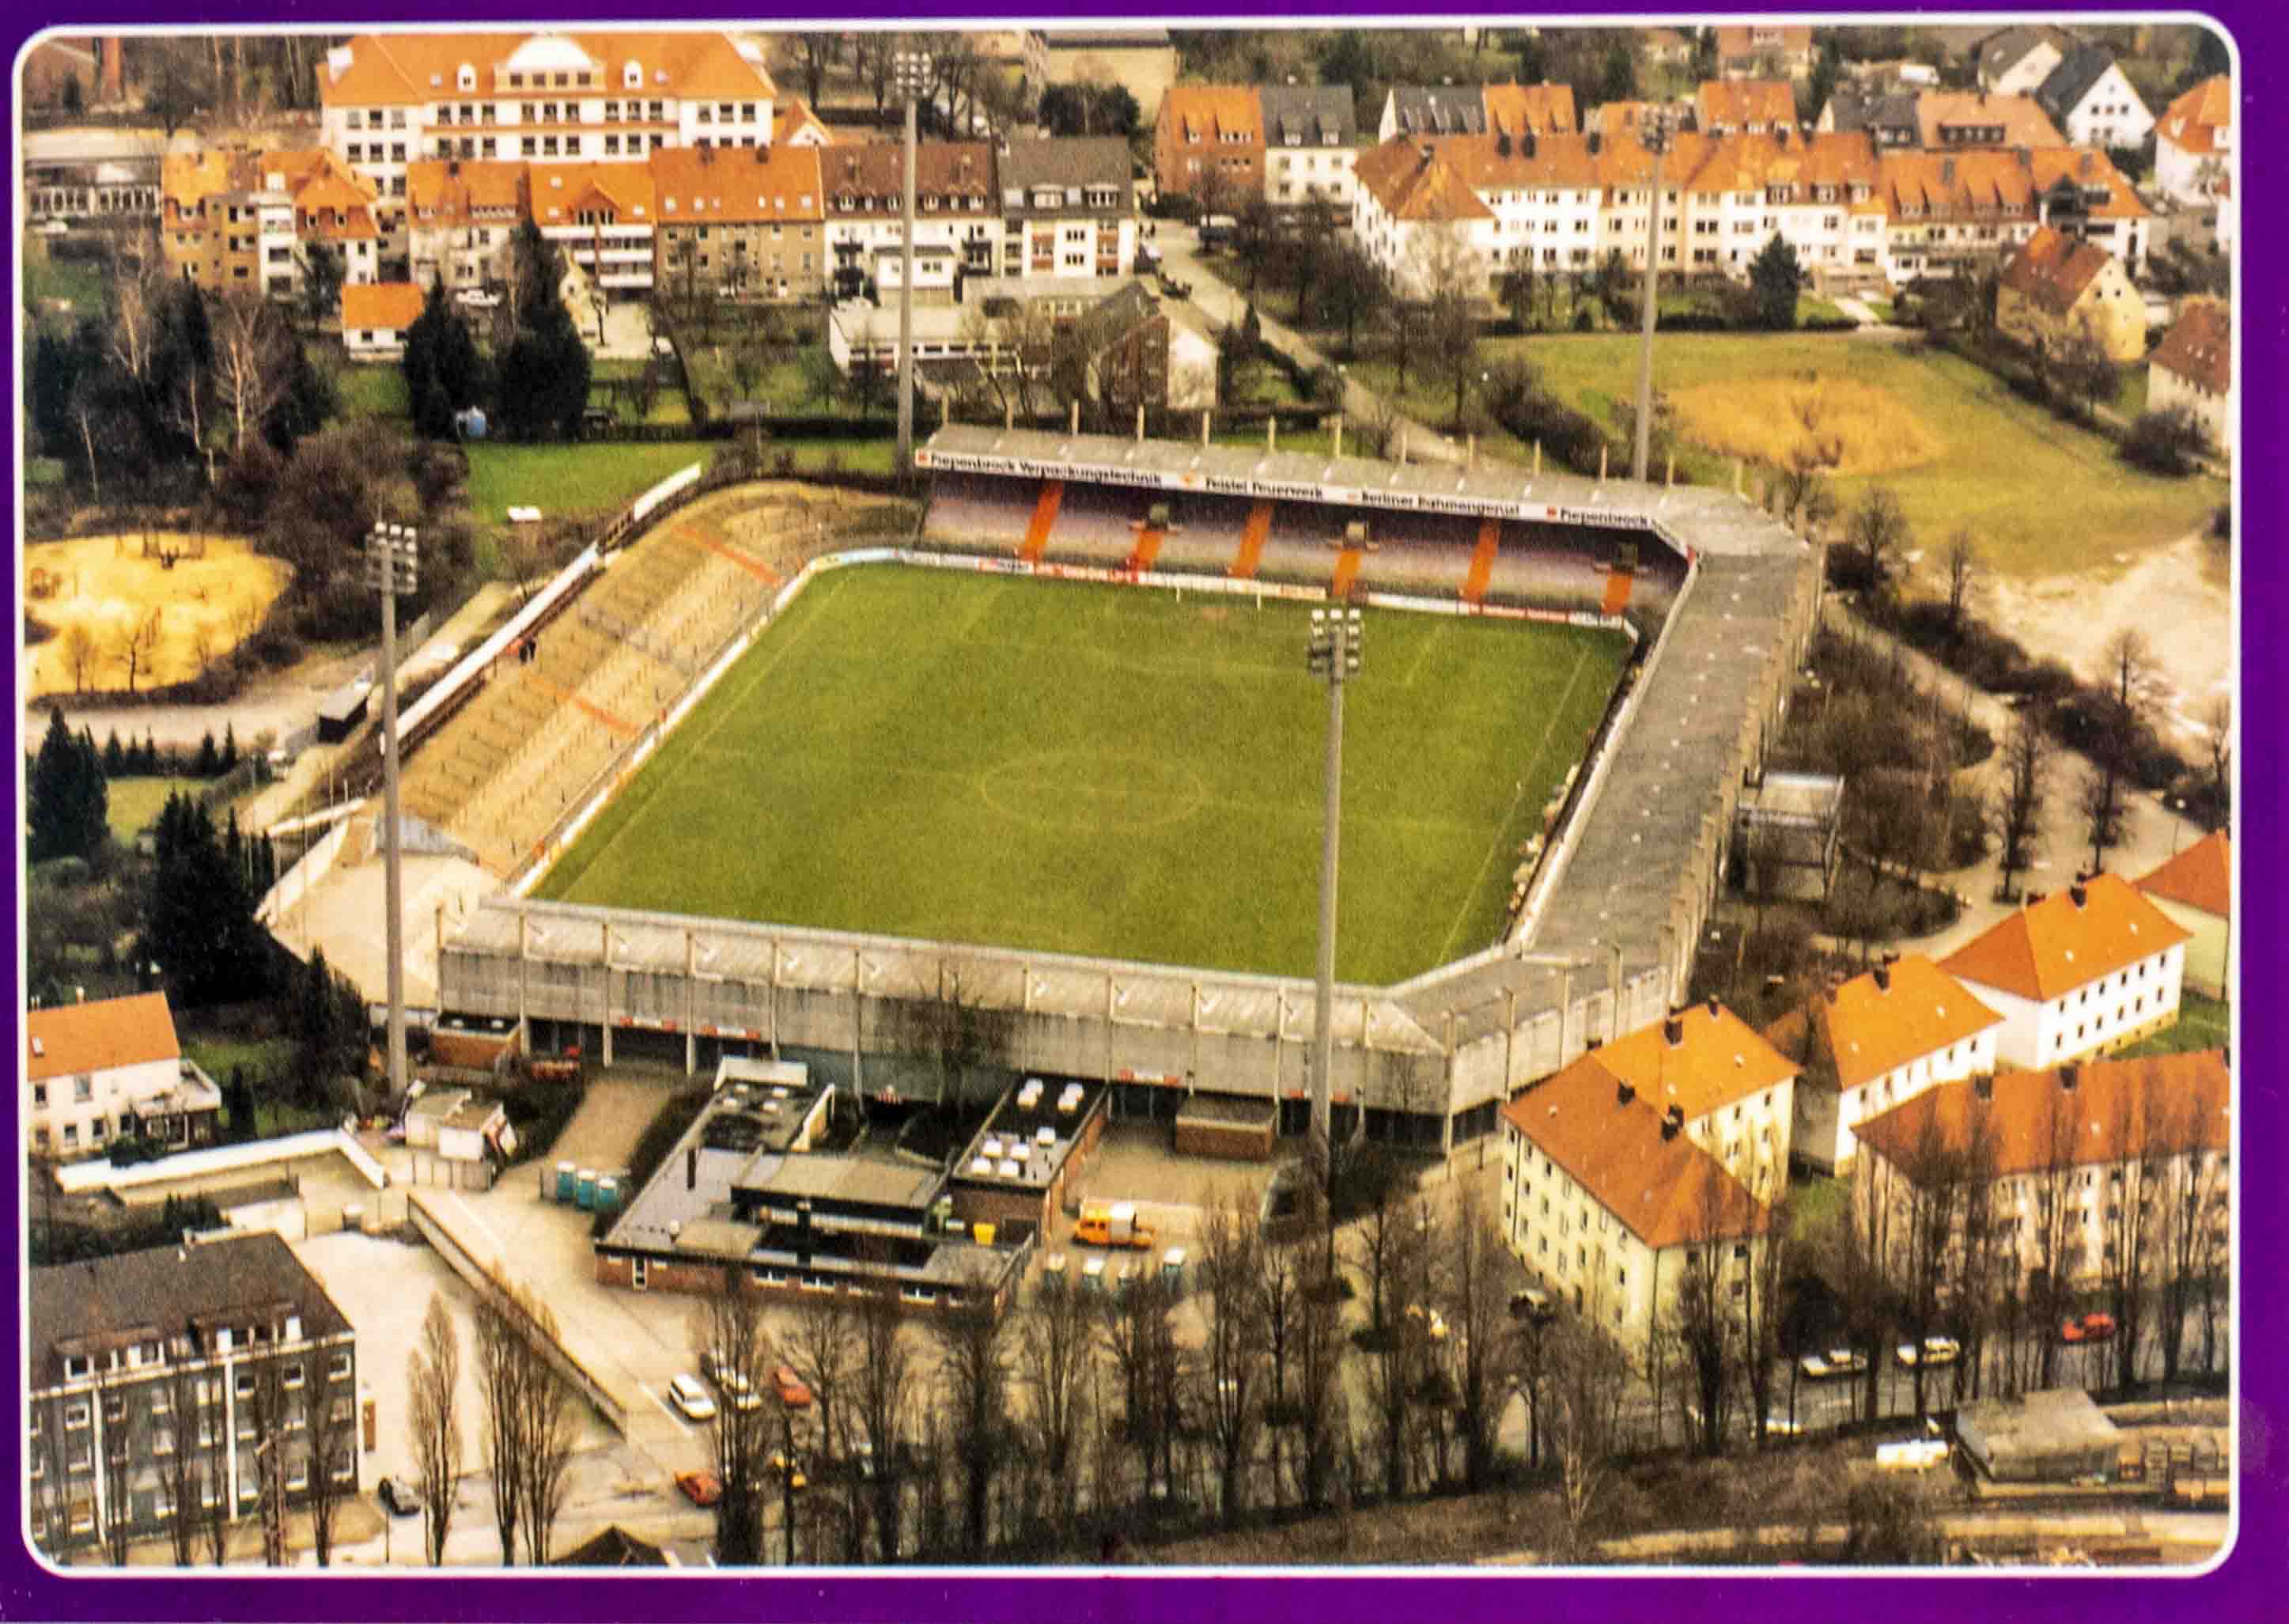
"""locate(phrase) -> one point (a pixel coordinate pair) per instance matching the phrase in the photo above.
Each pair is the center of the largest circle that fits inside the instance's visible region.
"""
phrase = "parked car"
(1783, 1427)
(1835, 1362)
(686, 1393)
(1533, 1305)
(789, 1466)
(1937, 1351)
(478, 299)
(2088, 1328)
(1174, 288)
(398, 1496)
(792, 1393)
(732, 1382)
(700, 1488)
(1436, 1324)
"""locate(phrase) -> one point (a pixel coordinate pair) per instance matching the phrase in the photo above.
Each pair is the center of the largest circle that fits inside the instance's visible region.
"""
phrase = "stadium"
(1604, 835)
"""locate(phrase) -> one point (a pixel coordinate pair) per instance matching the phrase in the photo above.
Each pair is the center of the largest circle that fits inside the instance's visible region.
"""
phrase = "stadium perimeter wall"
(1605, 946)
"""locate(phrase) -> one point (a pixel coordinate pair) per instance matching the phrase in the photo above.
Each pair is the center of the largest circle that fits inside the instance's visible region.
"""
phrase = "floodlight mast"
(1337, 640)
(393, 564)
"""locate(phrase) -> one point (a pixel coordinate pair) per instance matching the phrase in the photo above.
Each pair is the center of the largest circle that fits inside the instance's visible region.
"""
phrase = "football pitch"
(1102, 769)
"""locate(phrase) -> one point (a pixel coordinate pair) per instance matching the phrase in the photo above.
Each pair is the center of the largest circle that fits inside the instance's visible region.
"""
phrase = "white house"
(2192, 367)
(2196, 889)
(2082, 972)
(1876, 1042)
(93, 1072)
(1610, 1200)
(375, 315)
(2012, 61)
(2193, 141)
(2088, 97)
(1309, 141)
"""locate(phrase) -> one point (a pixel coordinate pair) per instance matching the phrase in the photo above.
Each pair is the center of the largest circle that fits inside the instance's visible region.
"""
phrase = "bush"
(2171, 443)
(538, 1112)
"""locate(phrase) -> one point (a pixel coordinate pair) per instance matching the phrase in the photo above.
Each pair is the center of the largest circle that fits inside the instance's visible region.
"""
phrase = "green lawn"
(576, 478)
(218, 1057)
(372, 389)
(1098, 770)
(77, 282)
(2203, 1023)
(132, 805)
(2132, 402)
(2004, 466)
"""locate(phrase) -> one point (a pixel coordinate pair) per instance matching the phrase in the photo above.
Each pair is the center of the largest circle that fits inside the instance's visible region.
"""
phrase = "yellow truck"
(1112, 1223)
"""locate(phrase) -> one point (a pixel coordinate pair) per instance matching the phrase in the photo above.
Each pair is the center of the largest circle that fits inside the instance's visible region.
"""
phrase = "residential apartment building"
(602, 217)
(376, 315)
(2056, 287)
(1309, 141)
(747, 224)
(1876, 1042)
(2088, 97)
(460, 216)
(222, 227)
(957, 207)
(1139, 350)
(96, 1072)
(2078, 973)
(1476, 109)
(1946, 120)
(1068, 207)
(1208, 145)
(334, 207)
(387, 100)
(2078, 1158)
(168, 1382)
(1946, 211)
(1745, 107)
(1609, 1199)
(2195, 888)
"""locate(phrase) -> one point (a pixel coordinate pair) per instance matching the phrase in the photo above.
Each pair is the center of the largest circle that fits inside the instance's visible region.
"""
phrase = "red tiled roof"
(556, 193)
(400, 69)
(1870, 1029)
(455, 190)
(1717, 1061)
(98, 1036)
(2117, 1110)
(1665, 1189)
(2200, 876)
(2050, 947)
(1412, 182)
(1213, 110)
(2023, 121)
(1740, 40)
(1741, 103)
(1545, 108)
(2053, 268)
(2192, 122)
(698, 185)
(2199, 347)
(379, 306)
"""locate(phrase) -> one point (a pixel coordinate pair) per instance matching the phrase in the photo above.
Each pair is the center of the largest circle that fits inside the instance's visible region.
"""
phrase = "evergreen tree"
(443, 373)
(230, 757)
(115, 758)
(544, 377)
(198, 924)
(66, 801)
(202, 765)
(1775, 279)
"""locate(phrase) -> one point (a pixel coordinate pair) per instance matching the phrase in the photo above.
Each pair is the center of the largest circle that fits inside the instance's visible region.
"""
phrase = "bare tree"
(2217, 746)
(1478, 1315)
(2191, 1230)
(2058, 1249)
(216, 1448)
(1763, 1301)
(2131, 679)
(1587, 1378)
(433, 1377)
(278, 1456)
(125, 1425)
(135, 335)
(1279, 1301)
(1879, 529)
(1963, 569)
(974, 1354)
(329, 1418)
(77, 648)
(731, 1343)
(138, 645)
(1703, 1328)
(822, 1344)
(881, 1392)
(48, 1463)
(2103, 809)
(2027, 760)
(177, 1441)
(1321, 1412)
(1139, 1337)
(250, 371)
(2130, 1256)
(546, 1426)
(1231, 1368)
(1057, 1367)
(500, 1377)
(1400, 1345)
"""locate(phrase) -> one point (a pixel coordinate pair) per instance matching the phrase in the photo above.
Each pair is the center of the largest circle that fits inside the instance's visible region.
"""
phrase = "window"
(114, 1407)
(291, 1375)
(77, 1367)
(337, 1368)
(76, 1416)
(83, 1089)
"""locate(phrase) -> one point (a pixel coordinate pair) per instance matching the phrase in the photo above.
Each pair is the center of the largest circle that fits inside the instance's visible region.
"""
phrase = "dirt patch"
(209, 592)
(1767, 420)
(2177, 602)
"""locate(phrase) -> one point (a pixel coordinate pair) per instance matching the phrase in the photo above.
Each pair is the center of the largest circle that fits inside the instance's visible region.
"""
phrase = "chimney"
(2069, 1076)
(1712, 1007)
(1624, 1094)
(1502, 143)
(691, 1168)
(1983, 1087)
(115, 69)
(1883, 978)
(1673, 1122)
(2080, 892)
(1672, 1030)
(2033, 897)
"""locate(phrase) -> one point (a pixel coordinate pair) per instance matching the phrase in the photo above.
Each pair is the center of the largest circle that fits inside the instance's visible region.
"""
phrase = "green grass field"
(570, 478)
(2001, 466)
(1097, 769)
(2203, 1023)
(133, 804)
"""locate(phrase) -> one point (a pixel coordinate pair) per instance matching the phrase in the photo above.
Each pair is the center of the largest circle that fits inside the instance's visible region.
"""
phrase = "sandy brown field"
(1767, 418)
(211, 599)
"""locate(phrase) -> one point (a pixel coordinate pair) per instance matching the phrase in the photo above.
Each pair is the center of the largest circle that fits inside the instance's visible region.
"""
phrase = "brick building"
(747, 224)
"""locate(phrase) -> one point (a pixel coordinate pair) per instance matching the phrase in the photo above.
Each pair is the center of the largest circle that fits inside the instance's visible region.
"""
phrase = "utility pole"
(393, 558)
(911, 69)
(1336, 639)
(1656, 140)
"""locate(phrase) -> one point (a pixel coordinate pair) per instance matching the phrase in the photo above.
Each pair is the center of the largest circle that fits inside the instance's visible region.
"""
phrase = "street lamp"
(910, 72)
(393, 565)
(1334, 656)
(1655, 135)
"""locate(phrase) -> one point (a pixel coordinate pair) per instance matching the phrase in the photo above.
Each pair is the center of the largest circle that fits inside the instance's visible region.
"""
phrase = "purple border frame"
(2241, 1587)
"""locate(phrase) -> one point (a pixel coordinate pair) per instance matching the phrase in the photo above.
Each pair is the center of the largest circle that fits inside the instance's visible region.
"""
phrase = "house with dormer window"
(98, 1072)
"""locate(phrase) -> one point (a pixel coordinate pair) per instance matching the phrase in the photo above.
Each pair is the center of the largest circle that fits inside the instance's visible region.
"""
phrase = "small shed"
(1232, 1129)
(2059, 1435)
(461, 1136)
(340, 711)
(1786, 834)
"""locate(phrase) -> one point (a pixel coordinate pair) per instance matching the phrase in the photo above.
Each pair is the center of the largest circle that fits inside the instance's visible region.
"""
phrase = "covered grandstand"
(1723, 599)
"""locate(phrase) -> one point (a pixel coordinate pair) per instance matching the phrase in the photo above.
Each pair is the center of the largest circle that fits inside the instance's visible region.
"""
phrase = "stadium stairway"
(1617, 590)
(1482, 561)
(1045, 516)
(1347, 569)
(1148, 549)
(1251, 542)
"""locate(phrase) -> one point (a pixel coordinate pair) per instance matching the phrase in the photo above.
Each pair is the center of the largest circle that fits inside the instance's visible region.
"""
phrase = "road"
(1179, 246)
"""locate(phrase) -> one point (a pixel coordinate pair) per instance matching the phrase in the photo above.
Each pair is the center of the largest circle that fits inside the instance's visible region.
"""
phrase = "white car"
(477, 298)
(1937, 1351)
(737, 1389)
(688, 1396)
